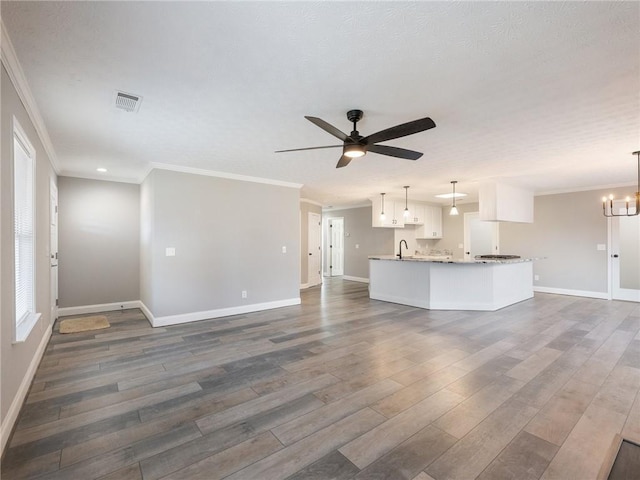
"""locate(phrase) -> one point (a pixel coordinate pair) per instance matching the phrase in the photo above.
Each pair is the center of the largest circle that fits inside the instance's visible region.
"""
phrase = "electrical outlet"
(284, 249)
(244, 294)
(357, 245)
(536, 277)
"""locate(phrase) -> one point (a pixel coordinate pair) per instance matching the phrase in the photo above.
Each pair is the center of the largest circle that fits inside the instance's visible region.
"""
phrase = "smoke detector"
(128, 101)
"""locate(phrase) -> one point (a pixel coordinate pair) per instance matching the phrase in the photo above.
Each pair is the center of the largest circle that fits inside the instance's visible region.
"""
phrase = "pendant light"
(406, 202)
(454, 209)
(610, 212)
(382, 211)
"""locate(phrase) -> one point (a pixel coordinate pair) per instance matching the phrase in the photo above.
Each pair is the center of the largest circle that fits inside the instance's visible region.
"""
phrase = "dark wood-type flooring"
(339, 387)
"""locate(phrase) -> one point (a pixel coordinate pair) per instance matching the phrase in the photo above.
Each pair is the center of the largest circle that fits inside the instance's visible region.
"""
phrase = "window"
(24, 233)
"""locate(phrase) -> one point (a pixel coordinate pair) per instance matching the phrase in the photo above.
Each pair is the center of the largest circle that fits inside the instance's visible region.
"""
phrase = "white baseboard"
(304, 285)
(221, 312)
(18, 400)
(147, 312)
(102, 307)
(355, 279)
(573, 293)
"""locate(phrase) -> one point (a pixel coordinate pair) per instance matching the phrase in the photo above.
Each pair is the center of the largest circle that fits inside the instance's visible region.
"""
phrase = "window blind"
(24, 231)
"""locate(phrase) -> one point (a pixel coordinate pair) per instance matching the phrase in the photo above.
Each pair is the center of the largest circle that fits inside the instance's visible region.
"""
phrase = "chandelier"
(607, 207)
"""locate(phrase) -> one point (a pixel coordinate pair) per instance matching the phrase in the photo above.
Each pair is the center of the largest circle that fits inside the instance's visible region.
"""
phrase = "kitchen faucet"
(400, 248)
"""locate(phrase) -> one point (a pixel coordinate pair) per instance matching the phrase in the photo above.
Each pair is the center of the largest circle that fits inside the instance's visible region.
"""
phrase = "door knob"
(310, 253)
(615, 255)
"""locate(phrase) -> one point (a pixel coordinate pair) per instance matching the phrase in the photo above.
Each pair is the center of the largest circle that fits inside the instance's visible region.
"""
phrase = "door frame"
(615, 292)
(53, 250)
(314, 229)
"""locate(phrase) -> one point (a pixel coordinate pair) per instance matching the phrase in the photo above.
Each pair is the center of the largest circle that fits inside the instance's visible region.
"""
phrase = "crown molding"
(19, 80)
(584, 189)
(213, 173)
(312, 202)
(346, 207)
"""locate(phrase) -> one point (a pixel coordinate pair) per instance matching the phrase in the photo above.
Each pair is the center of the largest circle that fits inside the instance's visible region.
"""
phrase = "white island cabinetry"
(450, 285)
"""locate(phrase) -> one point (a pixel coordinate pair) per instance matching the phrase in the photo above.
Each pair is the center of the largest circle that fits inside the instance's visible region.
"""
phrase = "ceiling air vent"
(128, 101)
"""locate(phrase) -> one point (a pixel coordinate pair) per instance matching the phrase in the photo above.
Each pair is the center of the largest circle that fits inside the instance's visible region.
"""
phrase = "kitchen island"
(450, 284)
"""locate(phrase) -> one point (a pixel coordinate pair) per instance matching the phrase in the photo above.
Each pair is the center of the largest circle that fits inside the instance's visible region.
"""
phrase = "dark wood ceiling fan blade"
(308, 148)
(402, 130)
(327, 127)
(343, 162)
(394, 152)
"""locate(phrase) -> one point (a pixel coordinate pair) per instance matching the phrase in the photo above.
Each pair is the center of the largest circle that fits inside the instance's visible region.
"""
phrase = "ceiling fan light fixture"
(354, 151)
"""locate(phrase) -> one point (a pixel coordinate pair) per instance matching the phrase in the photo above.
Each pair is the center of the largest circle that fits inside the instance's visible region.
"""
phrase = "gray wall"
(228, 236)
(15, 359)
(358, 231)
(99, 242)
(305, 209)
(566, 229)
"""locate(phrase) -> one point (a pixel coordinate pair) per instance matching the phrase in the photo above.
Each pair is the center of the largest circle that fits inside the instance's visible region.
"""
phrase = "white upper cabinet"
(428, 218)
(393, 213)
(432, 227)
(500, 202)
(416, 214)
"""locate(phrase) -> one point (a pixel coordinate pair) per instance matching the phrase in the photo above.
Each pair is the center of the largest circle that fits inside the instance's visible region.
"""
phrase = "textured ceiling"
(540, 94)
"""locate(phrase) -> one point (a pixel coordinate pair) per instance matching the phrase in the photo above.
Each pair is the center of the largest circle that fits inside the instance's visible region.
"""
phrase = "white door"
(314, 276)
(625, 258)
(334, 247)
(480, 237)
(53, 249)
(337, 250)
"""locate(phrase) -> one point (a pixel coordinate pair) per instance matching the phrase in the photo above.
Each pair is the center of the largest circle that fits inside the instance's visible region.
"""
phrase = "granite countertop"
(411, 258)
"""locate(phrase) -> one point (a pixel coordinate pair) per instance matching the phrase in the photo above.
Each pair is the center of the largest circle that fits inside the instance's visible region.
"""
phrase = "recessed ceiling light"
(101, 170)
(451, 195)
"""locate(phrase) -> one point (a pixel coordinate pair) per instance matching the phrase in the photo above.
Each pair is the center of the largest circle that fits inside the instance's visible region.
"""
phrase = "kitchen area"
(427, 271)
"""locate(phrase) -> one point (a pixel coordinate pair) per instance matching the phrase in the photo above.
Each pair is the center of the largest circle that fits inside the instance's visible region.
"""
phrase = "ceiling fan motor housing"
(354, 115)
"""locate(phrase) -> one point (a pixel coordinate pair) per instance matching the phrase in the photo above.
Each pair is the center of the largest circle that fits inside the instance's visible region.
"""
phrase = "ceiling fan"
(355, 145)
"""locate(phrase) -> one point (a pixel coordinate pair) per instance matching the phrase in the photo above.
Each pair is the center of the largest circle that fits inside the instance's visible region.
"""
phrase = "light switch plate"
(284, 249)
(170, 252)
(601, 246)
(357, 245)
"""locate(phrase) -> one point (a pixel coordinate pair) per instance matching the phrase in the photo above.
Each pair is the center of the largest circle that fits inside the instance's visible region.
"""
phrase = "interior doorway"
(480, 237)
(334, 247)
(625, 258)
(53, 249)
(314, 260)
